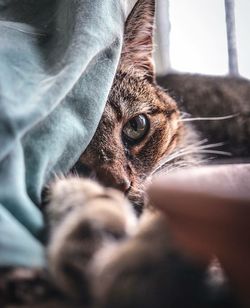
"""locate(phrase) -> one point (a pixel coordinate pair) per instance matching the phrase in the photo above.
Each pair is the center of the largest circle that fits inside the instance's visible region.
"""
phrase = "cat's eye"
(136, 129)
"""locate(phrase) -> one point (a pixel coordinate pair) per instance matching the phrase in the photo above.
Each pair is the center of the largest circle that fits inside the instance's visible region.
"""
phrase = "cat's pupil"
(136, 128)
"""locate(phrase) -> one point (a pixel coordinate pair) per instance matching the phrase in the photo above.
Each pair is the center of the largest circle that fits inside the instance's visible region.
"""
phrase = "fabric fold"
(57, 63)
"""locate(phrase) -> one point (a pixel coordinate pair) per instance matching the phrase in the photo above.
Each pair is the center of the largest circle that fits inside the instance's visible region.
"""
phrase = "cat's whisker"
(184, 114)
(171, 158)
(174, 156)
(198, 143)
(201, 146)
(216, 152)
(186, 163)
(230, 116)
(175, 166)
(211, 145)
(192, 149)
(194, 145)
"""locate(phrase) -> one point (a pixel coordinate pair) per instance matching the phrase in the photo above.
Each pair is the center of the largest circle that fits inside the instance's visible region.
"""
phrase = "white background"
(198, 36)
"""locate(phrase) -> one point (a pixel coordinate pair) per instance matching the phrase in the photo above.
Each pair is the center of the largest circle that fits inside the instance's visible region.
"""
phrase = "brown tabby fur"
(134, 92)
(100, 254)
(87, 252)
(209, 96)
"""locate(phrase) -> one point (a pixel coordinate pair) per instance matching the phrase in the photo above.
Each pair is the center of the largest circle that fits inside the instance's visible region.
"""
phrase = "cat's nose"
(114, 178)
(123, 185)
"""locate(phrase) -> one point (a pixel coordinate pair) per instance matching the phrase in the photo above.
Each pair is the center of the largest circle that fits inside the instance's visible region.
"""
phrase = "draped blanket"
(57, 63)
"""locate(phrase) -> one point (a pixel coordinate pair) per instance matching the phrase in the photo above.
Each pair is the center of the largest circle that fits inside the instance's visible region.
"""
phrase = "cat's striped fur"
(100, 254)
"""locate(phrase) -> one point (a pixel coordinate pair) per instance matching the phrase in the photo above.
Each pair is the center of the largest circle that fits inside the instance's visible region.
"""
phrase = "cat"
(100, 253)
(108, 247)
(213, 96)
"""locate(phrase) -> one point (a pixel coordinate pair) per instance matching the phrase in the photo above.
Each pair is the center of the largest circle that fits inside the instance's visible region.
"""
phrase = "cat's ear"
(138, 39)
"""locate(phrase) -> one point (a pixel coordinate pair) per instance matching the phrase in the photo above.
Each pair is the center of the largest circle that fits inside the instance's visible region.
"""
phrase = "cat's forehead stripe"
(117, 109)
(157, 110)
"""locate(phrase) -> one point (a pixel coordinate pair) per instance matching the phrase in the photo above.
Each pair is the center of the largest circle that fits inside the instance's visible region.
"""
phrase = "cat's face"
(140, 123)
(139, 126)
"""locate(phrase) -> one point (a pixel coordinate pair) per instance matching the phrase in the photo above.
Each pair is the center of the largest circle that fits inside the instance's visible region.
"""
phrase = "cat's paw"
(148, 271)
(84, 217)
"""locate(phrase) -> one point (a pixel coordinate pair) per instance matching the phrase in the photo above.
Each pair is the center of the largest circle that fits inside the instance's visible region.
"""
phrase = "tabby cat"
(100, 253)
(210, 96)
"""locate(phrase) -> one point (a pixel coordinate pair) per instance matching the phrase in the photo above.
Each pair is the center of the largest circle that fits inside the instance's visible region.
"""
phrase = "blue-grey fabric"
(57, 63)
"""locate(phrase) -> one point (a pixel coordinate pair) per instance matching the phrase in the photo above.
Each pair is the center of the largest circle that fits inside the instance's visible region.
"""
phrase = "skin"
(208, 212)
